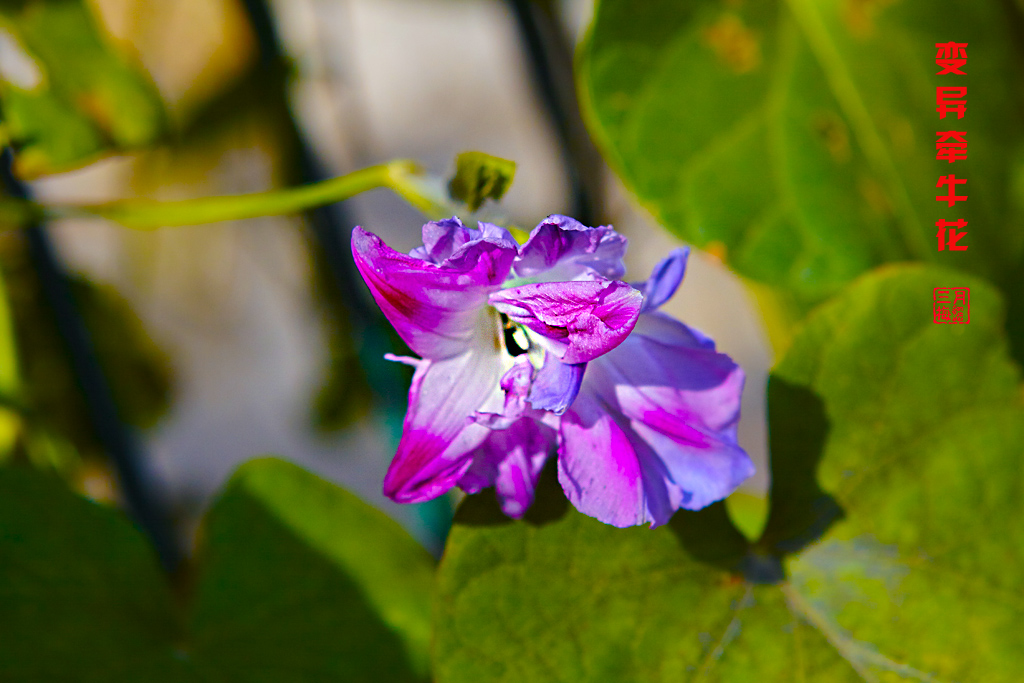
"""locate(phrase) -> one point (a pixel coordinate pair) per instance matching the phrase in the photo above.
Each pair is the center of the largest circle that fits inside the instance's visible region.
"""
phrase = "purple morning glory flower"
(445, 299)
(525, 350)
(653, 428)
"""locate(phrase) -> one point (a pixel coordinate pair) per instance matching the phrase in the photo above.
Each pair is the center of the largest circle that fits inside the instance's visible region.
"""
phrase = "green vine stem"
(403, 177)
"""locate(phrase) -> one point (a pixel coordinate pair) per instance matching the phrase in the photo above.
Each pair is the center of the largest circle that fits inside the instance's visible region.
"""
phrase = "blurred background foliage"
(73, 96)
(790, 140)
(797, 137)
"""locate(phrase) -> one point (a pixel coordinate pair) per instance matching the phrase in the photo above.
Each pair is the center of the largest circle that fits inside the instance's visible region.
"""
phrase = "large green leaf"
(84, 97)
(298, 581)
(300, 576)
(925, 458)
(81, 595)
(919, 580)
(799, 135)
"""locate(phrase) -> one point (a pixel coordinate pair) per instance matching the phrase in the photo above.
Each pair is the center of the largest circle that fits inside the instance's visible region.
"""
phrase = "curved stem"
(403, 177)
(148, 214)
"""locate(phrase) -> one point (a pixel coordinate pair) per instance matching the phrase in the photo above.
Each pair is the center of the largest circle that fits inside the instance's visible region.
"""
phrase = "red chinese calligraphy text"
(952, 181)
(951, 56)
(952, 305)
(948, 236)
(951, 151)
(951, 99)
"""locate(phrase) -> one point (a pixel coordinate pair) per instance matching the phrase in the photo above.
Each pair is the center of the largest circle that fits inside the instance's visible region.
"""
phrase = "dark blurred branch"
(332, 229)
(1012, 279)
(331, 225)
(115, 436)
(550, 53)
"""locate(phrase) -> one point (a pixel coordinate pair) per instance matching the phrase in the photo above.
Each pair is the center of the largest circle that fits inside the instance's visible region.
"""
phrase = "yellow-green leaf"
(798, 136)
(85, 97)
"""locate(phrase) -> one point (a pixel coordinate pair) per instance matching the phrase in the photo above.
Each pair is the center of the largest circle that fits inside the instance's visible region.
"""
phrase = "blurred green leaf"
(343, 396)
(298, 581)
(75, 95)
(81, 593)
(138, 369)
(10, 378)
(301, 576)
(749, 512)
(479, 177)
(919, 581)
(798, 136)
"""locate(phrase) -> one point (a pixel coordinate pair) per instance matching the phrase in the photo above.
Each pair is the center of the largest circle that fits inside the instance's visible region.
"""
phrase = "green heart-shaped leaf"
(799, 135)
(298, 581)
(918, 580)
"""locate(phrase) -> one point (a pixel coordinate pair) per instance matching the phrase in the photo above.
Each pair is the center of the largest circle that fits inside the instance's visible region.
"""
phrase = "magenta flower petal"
(662, 409)
(682, 370)
(511, 460)
(562, 248)
(435, 308)
(488, 236)
(446, 240)
(441, 239)
(556, 384)
(599, 470)
(641, 409)
(439, 434)
(581, 319)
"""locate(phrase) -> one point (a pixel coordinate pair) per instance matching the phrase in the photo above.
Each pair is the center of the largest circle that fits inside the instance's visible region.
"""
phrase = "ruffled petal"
(581, 320)
(598, 468)
(556, 384)
(434, 308)
(448, 238)
(511, 460)
(439, 434)
(562, 248)
(441, 239)
(667, 404)
(488, 237)
(516, 385)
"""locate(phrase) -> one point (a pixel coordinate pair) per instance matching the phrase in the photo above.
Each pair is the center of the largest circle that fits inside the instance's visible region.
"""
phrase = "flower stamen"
(513, 333)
